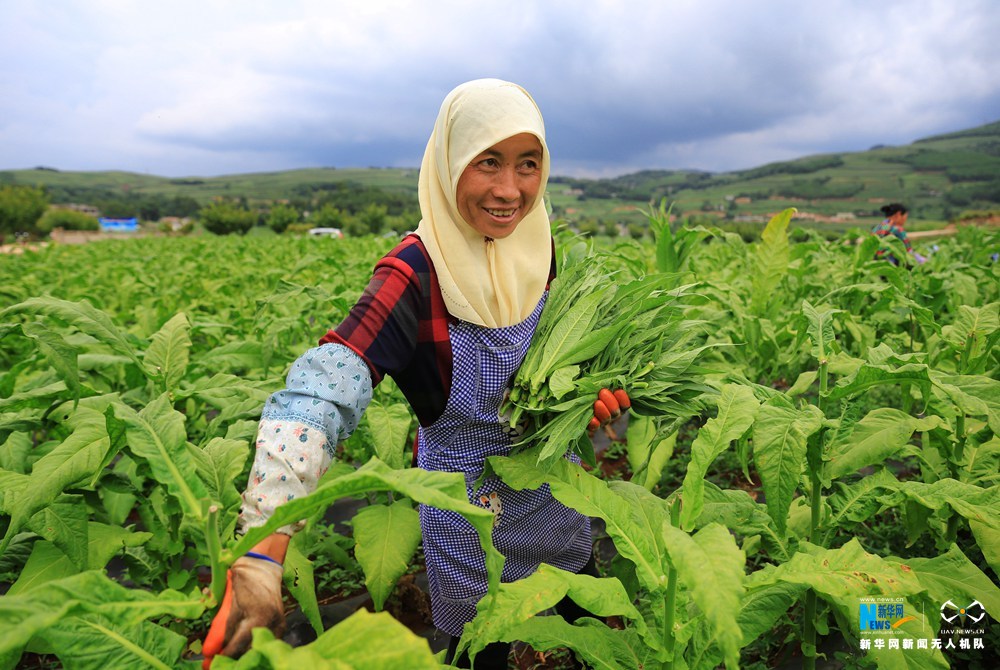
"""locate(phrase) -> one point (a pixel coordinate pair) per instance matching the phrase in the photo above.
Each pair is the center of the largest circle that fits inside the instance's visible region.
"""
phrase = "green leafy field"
(843, 444)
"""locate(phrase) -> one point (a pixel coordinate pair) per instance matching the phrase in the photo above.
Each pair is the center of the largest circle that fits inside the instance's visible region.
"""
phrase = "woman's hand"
(252, 600)
(608, 407)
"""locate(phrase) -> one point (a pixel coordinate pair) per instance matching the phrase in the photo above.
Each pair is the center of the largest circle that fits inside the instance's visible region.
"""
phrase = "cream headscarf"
(492, 283)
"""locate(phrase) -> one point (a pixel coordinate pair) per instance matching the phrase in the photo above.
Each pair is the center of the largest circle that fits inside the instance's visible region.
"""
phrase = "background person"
(449, 314)
(894, 224)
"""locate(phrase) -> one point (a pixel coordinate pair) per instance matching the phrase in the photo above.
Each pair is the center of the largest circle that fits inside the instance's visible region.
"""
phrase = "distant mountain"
(937, 178)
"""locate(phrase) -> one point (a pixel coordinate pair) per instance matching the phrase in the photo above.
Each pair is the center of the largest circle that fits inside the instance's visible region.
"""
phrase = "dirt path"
(20, 248)
(947, 231)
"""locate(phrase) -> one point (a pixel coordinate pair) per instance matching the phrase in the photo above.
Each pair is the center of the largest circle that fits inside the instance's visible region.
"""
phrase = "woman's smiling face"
(499, 187)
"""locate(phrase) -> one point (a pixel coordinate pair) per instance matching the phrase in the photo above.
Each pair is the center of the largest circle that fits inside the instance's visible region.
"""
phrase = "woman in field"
(894, 224)
(449, 314)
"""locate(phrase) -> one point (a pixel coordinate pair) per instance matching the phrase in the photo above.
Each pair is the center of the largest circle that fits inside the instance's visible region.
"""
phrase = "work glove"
(608, 407)
(920, 259)
(252, 600)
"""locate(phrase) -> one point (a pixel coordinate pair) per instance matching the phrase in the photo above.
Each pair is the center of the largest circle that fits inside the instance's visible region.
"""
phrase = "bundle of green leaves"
(606, 325)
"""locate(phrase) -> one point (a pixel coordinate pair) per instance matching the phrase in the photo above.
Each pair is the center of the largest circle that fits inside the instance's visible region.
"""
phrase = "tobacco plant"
(850, 389)
(824, 462)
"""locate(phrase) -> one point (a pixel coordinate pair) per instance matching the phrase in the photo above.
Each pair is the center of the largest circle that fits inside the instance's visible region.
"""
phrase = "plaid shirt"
(399, 327)
(886, 228)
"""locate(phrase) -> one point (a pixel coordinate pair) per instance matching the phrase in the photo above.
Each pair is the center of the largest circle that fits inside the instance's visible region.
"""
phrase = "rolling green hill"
(937, 177)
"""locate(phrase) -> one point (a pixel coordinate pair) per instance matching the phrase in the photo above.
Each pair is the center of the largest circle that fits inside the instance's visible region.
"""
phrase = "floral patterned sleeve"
(327, 391)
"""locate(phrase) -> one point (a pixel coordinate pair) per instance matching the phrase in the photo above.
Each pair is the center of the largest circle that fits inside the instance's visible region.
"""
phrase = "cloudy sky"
(209, 87)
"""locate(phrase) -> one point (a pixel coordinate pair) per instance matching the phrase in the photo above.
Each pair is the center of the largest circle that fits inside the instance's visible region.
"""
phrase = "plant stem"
(809, 632)
(670, 597)
(957, 456)
(669, 602)
(815, 509)
(816, 494)
(963, 361)
(959, 440)
(214, 551)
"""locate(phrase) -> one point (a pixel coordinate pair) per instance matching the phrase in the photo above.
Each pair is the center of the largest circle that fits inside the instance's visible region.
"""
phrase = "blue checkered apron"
(531, 526)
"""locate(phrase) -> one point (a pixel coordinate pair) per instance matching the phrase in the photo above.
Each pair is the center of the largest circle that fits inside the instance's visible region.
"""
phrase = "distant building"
(175, 223)
(326, 232)
(118, 225)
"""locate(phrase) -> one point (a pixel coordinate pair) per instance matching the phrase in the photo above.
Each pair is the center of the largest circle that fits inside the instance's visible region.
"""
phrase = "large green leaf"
(444, 490)
(390, 428)
(93, 642)
(168, 353)
(597, 645)
(83, 316)
(300, 581)
(857, 502)
(845, 574)
(385, 539)
(820, 330)
(519, 601)
(221, 390)
(760, 608)
(710, 566)
(736, 510)
(47, 562)
(879, 436)
(72, 463)
(870, 375)
(219, 464)
(24, 615)
(983, 465)
(42, 396)
(988, 539)
(64, 523)
(972, 502)
(157, 436)
(952, 576)
(633, 516)
(60, 354)
(11, 484)
(771, 261)
(737, 407)
(567, 331)
(779, 450)
(363, 641)
(972, 331)
(976, 395)
(14, 453)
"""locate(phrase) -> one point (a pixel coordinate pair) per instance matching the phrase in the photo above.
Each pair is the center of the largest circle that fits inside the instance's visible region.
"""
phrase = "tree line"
(353, 208)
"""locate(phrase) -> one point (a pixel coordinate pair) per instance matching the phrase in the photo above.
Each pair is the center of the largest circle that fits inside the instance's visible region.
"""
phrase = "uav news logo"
(972, 613)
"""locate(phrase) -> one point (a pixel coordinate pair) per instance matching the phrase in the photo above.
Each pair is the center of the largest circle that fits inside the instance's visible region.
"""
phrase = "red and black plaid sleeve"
(399, 327)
